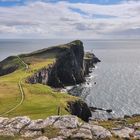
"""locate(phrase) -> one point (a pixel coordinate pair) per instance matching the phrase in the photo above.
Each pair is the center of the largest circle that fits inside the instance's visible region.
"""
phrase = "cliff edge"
(37, 72)
(70, 67)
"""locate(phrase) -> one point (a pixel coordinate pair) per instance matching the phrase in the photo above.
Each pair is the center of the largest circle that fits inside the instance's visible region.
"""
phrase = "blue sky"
(21, 2)
(70, 19)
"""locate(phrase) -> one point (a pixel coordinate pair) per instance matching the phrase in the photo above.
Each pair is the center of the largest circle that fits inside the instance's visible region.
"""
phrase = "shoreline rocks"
(80, 109)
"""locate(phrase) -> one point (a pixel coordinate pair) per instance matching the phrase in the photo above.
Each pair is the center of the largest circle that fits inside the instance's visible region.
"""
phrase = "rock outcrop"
(89, 60)
(80, 109)
(9, 65)
(54, 128)
(70, 67)
(68, 127)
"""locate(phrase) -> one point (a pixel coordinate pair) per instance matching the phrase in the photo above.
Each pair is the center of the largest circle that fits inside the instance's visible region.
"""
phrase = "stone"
(3, 122)
(86, 126)
(82, 133)
(123, 132)
(58, 138)
(136, 134)
(41, 138)
(29, 133)
(6, 132)
(80, 109)
(137, 125)
(18, 122)
(12, 126)
(67, 132)
(38, 124)
(66, 121)
(100, 132)
(109, 110)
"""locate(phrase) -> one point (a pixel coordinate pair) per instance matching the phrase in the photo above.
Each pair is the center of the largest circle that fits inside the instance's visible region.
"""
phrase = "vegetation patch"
(40, 100)
(51, 132)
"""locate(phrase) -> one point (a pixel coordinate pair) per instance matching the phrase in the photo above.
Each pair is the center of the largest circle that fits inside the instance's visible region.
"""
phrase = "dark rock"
(70, 67)
(93, 108)
(9, 65)
(135, 115)
(126, 116)
(80, 109)
(109, 110)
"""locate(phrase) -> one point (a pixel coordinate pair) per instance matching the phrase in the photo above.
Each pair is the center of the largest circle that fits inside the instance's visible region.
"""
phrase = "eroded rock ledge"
(54, 128)
(67, 127)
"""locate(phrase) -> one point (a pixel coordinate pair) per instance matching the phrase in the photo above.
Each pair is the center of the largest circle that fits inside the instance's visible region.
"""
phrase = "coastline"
(63, 126)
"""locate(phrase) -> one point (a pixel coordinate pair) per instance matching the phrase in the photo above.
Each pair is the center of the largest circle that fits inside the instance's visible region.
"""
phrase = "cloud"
(70, 20)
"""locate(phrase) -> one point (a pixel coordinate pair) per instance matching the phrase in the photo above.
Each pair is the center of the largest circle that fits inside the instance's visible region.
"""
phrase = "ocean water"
(117, 77)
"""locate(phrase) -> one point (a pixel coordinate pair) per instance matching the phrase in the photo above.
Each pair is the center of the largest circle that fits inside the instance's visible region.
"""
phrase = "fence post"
(58, 111)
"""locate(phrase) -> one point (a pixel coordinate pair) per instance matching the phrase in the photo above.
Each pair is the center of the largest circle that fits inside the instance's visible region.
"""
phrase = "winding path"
(26, 65)
(21, 91)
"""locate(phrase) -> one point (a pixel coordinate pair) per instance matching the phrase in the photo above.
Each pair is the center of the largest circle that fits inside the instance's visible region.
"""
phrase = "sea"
(113, 84)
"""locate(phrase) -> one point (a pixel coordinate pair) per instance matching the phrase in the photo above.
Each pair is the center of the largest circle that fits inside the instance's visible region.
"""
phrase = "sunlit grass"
(40, 101)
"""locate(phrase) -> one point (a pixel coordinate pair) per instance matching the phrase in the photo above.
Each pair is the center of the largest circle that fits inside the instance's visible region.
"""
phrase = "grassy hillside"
(40, 101)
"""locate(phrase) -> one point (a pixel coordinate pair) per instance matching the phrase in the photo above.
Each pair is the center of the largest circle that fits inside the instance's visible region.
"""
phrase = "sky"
(78, 19)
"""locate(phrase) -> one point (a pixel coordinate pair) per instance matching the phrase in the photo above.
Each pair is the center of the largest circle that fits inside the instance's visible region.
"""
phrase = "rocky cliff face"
(89, 60)
(80, 109)
(70, 67)
(9, 65)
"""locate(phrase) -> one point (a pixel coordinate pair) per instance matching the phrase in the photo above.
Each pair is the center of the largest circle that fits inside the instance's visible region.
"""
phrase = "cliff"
(56, 66)
(70, 68)
(9, 65)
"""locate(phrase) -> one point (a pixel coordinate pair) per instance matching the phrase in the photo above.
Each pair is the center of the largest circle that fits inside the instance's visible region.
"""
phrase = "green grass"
(40, 101)
(51, 132)
(109, 124)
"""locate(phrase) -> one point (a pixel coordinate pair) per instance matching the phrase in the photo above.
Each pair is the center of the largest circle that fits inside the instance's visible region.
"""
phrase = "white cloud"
(68, 20)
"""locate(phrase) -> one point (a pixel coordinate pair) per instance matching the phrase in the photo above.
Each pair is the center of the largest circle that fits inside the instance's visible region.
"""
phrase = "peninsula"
(33, 106)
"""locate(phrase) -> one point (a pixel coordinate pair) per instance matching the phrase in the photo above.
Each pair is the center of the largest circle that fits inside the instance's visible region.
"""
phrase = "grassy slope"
(40, 100)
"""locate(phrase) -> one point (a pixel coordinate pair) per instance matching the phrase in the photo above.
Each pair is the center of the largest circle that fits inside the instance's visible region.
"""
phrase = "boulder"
(125, 132)
(67, 132)
(3, 122)
(136, 134)
(13, 126)
(38, 124)
(82, 134)
(30, 134)
(80, 109)
(6, 132)
(100, 132)
(58, 138)
(137, 125)
(66, 121)
(18, 122)
(41, 138)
